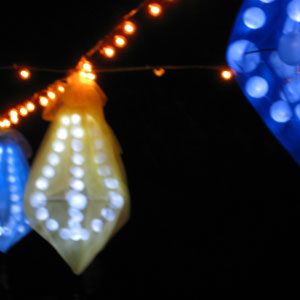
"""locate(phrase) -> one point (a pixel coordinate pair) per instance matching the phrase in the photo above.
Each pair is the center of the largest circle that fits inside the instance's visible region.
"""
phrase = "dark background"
(214, 195)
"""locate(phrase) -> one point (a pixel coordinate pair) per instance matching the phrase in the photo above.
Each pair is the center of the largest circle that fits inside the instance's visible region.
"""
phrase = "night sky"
(213, 193)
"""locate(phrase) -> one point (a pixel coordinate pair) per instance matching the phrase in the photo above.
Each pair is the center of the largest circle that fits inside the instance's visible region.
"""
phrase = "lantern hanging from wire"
(14, 171)
(77, 197)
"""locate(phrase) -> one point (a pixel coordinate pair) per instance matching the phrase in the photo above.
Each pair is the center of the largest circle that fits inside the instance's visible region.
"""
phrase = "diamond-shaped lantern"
(264, 53)
(14, 171)
(77, 197)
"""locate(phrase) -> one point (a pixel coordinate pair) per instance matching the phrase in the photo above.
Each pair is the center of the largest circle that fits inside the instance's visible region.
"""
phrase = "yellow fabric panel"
(76, 196)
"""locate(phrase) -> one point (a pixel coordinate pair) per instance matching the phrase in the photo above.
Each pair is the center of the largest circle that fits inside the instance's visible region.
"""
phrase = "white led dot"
(53, 159)
(76, 145)
(76, 200)
(78, 159)
(257, 87)
(76, 214)
(100, 158)
(117, 200)
(267, 1)
(104, 171)
(77, 172)
(13, 188)
(52, 225)
(96, 225)
(37, 199)
(85, 234)
(254, 17)
(65, 120)
(62, 133)
(10, 169)
(65, 233)
(58, 146)
(42, 183)
(108, 214)
(48, 172)
(76, 119)
(42, 213)
(111, 183)
(77, 132)
(21, 228)
(15, 197)
(15, 209)
(12, 179)
(293, 10)
(77, 185)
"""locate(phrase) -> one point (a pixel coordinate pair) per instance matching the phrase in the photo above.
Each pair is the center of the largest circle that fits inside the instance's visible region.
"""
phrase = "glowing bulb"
(91, 76)
(51, 95)
(129, 27)
(44, 101)
(24, 73)
(227, 75)
(23, 111)
(6, 123)
(120, 41)
(87, 67)
(14, 119)
(61, 88)
(154, 9)
(30, 106)
(13, 113)
(109, 51)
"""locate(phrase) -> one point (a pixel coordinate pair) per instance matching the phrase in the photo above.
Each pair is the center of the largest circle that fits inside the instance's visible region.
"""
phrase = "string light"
(120, 41)
(43, 101)
(109, 51)
(24, 73)
(129, 27)
(23, 111)
(30, 106)
(226, 74)
(61, 88)
(155, 9)
(6, 123)
(51, 95)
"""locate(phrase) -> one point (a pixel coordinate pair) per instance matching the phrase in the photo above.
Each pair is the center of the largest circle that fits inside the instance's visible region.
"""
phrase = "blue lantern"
(264, 53)
(14, 171)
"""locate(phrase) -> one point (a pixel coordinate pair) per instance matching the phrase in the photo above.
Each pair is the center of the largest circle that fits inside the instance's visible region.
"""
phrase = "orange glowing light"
(13, 113)
(91, 76)
(109, 51)
(155, 9)
(44, 101)
(129, 27)
(87, 67)
(227, 75)
(6, 123)
(14, 119)
(30, 106)
(120, 41)
(61, 88)
(23, 111)
(24, 73)
(51, 95)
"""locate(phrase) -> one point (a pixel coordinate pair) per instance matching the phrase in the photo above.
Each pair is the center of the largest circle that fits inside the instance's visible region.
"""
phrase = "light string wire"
(107, 46)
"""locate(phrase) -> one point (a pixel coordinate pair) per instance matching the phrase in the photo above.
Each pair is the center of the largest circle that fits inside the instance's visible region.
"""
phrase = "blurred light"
(159, 72)
(43, 101)
(13, 113)
(91, 76)
(23, 111)
(87, 67)
(14, 119)
(129, 27)
(6, 123)
(109, 51)
(24, 73)
(120, 41)
(51, 95)
(30, 106)
(61, 88)
(227, 75)
(155, 9)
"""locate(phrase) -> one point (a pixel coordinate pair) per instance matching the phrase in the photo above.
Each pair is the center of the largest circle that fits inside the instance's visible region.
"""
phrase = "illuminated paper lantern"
(77, 197)
(264, 52)
(14, 171)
